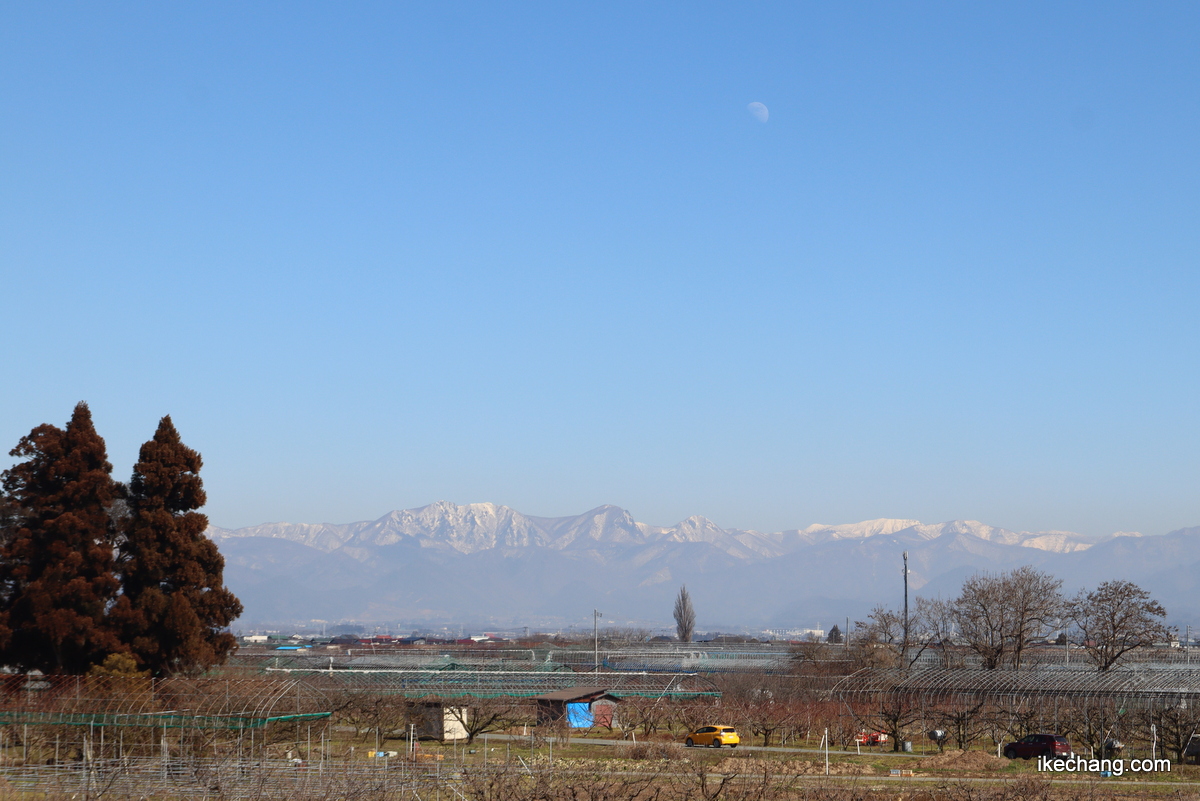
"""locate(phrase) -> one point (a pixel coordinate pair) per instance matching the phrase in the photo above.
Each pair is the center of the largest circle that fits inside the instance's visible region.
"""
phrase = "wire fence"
(230, 778)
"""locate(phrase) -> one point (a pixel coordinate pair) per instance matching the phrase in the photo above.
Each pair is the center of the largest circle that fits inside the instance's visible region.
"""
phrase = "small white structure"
(441, 722)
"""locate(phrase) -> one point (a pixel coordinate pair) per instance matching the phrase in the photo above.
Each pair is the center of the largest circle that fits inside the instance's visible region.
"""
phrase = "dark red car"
(1051, 745)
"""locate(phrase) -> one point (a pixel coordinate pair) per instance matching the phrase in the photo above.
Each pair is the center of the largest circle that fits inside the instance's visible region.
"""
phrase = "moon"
(758, 111)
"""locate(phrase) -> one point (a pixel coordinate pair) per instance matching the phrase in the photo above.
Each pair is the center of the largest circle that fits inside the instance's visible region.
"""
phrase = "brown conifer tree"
(174, 606)
(56, 556)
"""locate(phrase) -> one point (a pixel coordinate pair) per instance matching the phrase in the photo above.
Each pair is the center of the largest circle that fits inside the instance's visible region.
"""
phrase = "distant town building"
(795, 634)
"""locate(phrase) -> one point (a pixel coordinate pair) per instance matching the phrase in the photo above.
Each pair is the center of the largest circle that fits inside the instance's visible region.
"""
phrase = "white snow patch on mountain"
(476, 527)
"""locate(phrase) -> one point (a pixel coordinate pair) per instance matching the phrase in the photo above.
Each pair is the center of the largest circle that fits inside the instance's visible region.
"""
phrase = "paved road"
(771, 749)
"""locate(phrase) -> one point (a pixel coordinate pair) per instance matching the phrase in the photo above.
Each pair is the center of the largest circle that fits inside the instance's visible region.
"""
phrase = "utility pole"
(596, 615)
(904, 644)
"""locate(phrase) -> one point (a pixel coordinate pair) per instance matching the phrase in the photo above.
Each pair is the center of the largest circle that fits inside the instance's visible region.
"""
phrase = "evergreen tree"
(835, 635)
(174, 605)
(56, 554)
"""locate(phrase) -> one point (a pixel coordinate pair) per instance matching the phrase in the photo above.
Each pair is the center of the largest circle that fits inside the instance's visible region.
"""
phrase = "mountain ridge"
(488, 562)
(479, 526)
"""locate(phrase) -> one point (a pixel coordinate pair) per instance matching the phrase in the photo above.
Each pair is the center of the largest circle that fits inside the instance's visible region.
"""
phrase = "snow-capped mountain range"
(484, 562)
(479, 526)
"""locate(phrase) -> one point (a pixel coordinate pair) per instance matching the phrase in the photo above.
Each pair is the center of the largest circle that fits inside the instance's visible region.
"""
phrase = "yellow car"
(714, 737)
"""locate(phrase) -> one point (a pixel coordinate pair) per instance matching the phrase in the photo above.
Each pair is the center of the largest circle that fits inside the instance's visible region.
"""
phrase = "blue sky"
(369, 256)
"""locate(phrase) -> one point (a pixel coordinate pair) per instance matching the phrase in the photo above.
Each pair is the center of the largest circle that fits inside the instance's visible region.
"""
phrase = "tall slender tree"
(174, 606)
(685, 615)
(56, 554)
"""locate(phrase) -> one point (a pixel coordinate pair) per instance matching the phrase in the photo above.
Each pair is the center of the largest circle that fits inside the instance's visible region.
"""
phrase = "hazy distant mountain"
(482, 526)
(486, 562)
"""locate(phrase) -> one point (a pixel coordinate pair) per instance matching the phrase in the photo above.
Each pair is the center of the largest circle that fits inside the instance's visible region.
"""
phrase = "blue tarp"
(579, 716)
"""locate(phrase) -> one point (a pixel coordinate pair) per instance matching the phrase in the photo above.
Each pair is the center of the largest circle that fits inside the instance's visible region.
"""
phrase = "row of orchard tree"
(797, 710)
(96, 572)
(998, 616)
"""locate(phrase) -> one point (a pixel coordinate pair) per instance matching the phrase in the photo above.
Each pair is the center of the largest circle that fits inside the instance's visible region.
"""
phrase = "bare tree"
(1089, 721)
(691, 715)
(939, 629)
(623, 635)
(887, 639)
(892, 713)
(979, 614)
(1035, 602)
(996, 615)
(961, 720)
(647, 714)
(1175, 726)
(761, 703)
(477, 716)
(369, 713)
(1118, 617)
(685, 615)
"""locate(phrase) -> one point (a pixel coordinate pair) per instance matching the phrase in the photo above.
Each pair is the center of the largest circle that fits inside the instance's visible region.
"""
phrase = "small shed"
(583, 707)
(440, 721)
